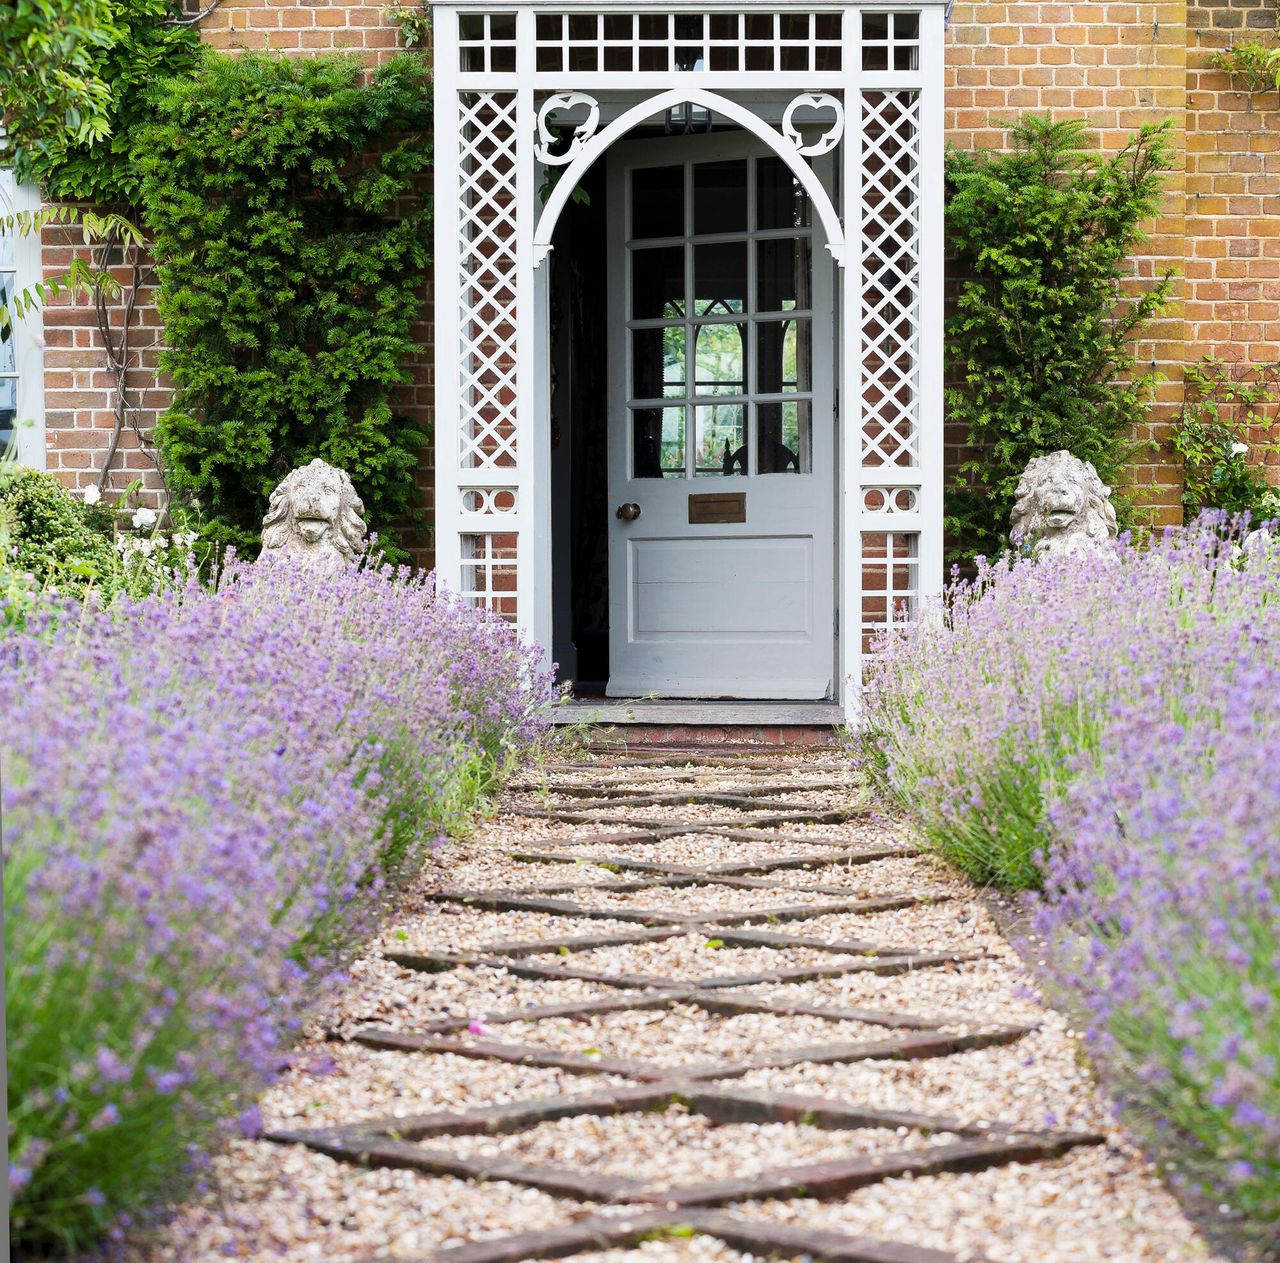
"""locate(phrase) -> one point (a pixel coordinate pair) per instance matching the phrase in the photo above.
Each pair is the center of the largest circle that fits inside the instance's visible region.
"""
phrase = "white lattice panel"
(890, 582)
(489, 571)
(890, 331)
(487, 282)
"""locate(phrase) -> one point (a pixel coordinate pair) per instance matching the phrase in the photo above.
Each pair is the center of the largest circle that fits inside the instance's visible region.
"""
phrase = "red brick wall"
(1117, 64)
(80, 395)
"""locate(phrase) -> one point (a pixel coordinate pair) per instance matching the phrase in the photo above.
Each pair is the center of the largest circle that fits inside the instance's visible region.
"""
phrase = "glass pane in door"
(720, 440)
(657, 360)
(657, 202)
(720, 360)
(657, 283)
(657, 442)
(783, 434)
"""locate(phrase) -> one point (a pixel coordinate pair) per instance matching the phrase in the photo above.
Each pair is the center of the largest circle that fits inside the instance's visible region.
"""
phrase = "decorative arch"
(599, 144)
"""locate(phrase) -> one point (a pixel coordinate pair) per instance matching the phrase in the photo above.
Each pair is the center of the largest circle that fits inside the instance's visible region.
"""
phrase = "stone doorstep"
(722, 738)
(762, 1239)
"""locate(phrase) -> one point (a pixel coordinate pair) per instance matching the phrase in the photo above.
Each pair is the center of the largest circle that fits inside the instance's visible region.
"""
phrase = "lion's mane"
(278, 527)
(1028, 522)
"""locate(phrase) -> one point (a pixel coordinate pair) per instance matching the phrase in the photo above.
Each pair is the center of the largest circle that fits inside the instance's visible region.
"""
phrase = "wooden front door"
(721, 425)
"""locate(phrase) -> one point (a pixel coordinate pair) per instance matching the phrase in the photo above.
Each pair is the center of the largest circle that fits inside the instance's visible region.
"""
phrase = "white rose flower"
(92, 494)
(1239, 449)
(144, 517)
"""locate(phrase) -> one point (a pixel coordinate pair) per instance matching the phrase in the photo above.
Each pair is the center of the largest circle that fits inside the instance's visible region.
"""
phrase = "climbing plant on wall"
(1041, 338)
(291, 238)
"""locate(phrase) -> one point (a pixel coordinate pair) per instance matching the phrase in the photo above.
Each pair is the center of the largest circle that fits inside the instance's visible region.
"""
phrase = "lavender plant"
(1106, 729)
(981, 715)
(204, 793)
(1163, 908)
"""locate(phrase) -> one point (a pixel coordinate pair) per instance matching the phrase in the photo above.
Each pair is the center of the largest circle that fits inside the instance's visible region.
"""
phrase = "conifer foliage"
(1040, 341)
(292, 238)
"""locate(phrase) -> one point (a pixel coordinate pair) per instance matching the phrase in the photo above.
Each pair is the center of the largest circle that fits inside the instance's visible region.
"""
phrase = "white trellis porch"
(860, 82)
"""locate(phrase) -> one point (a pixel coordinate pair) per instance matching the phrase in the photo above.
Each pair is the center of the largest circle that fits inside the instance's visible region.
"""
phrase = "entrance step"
(668, 723)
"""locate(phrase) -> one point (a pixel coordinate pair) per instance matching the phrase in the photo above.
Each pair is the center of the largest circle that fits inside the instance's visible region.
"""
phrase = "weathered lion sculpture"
(315, 517)
(1062, 507)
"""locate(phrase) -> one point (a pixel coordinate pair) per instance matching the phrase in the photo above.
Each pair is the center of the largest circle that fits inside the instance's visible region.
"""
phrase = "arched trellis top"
(599, 144)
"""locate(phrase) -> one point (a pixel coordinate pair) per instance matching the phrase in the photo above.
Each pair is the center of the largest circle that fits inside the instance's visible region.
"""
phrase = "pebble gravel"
(259, 1200)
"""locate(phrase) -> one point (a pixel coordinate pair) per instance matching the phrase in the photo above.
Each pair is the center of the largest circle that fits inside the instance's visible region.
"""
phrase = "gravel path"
(738, 1085)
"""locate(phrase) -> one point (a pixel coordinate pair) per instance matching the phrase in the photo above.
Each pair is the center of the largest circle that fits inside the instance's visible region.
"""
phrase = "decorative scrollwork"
(581, 133)
(830, 138)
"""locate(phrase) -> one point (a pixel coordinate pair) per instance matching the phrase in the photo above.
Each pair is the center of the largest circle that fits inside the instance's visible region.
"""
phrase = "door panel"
(720, 381)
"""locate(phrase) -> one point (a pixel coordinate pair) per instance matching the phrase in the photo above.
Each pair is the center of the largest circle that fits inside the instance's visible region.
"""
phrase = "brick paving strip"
(632, 1148)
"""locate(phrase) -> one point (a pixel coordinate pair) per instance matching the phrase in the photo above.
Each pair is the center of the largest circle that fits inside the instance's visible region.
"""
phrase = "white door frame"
(624, 157)
(499, 69)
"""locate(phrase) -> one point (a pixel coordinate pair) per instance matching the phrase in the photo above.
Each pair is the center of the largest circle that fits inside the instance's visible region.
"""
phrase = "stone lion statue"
(315, 516)
(1062, 507)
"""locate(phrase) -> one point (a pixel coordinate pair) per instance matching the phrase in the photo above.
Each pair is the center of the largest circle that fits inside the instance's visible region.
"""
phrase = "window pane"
(780, 200)
(719, 360)
(8, 245)
(8, 409)
(8, 362)
(785, 356)
(720, 279)
(657, 442)
(783, 269)
(720, 197)
(720, 441)
(657, 363)
(657, 283)
(657, 202)
(784, 436)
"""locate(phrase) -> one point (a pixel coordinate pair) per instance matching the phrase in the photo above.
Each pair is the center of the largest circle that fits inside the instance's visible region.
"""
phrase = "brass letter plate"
(720, 507)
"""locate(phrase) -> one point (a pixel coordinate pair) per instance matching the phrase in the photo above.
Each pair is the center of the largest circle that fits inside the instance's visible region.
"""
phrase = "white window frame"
(27, 332)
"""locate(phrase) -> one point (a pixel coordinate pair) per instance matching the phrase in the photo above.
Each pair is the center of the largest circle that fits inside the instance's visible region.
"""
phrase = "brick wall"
(80, 394)
(1116, 64)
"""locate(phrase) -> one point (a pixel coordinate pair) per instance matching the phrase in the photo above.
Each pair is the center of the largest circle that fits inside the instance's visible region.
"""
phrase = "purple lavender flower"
(205, 793)
(1108, 729)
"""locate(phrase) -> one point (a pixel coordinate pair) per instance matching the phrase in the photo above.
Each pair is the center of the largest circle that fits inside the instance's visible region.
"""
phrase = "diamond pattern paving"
(688, 1007)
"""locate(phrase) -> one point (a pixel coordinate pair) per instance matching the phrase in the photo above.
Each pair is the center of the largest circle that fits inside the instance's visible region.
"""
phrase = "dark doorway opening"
(579, 438)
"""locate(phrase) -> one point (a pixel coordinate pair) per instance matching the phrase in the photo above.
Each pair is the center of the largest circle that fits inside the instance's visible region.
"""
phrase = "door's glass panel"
(784, 433)
(657, 283)
(782, 274)
(720, 279)
(719, 360)
(657, 202)
(781, 202)
(785, 356)
(8, 244)
(720, 440)
(657, 363)
(657, 442)
(720, 197)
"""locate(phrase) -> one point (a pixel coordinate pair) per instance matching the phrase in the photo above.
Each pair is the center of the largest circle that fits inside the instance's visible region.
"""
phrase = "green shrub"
(142, 48)
(290, 275)
(1220, 428)
(52, 535)
(1040, 342)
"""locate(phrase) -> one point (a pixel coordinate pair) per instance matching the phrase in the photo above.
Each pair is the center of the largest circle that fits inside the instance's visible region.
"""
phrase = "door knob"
(628, 512)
